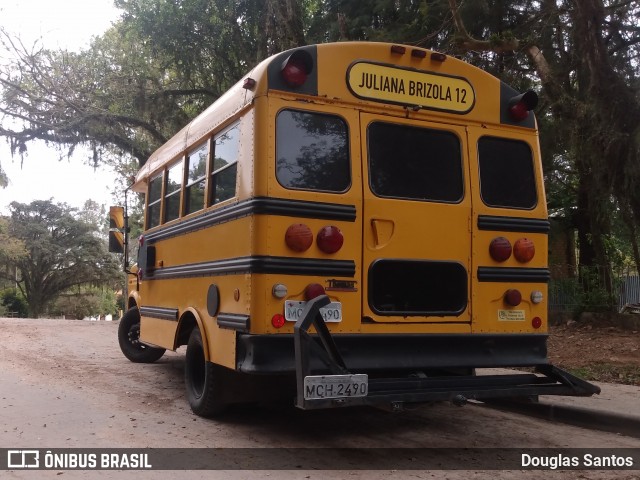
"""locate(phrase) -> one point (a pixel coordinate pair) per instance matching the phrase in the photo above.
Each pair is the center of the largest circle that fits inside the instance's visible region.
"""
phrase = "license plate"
(330, 313)
(336, 386)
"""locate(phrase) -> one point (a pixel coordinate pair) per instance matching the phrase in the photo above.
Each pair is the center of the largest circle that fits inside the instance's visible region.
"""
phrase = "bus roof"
(411, 80)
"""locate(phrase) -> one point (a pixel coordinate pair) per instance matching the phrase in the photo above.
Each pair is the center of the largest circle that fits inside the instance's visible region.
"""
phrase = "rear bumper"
(404, 368)
(273, 354)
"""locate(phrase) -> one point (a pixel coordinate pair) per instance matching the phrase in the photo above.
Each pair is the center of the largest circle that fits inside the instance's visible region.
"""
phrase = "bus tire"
(202, 379)
(129, 340)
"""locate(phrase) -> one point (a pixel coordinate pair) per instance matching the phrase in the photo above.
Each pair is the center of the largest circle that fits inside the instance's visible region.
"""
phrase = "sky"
(41, 175)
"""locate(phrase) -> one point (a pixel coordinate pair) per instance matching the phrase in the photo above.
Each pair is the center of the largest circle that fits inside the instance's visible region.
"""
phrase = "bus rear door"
(417, 214)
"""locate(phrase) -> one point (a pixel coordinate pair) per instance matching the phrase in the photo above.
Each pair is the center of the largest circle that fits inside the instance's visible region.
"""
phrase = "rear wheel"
(129, 340)
(202, 379)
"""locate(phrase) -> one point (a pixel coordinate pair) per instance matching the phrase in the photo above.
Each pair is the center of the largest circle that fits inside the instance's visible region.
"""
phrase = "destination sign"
(383, 83)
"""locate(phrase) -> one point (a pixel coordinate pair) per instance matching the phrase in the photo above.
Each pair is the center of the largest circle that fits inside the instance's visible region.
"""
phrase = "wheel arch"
(189, 320)
(133, 300)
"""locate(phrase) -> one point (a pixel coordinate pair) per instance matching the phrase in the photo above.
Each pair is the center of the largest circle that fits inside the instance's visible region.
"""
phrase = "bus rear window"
(506, 173)
(414, 163)
(312, 151)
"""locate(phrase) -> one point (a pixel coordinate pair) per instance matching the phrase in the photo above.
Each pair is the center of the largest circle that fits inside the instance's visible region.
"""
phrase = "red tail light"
(520, 105)
(313, 290)
(298, 237)
(330, 239)
(500, 249)
(296, 68)
(512, 297)
(536, 322)
(524, 250)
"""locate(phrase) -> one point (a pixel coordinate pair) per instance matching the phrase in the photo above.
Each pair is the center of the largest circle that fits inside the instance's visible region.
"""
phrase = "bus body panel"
(417, 164)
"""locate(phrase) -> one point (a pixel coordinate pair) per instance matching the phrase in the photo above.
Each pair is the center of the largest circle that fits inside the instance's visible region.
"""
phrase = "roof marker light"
(398, 49)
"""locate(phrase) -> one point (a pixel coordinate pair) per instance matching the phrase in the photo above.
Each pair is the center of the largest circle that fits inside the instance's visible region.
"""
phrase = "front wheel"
(202, 379)
(129, 340)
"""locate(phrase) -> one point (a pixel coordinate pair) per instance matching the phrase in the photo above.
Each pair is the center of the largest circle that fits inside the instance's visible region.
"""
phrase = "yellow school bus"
(350, 224)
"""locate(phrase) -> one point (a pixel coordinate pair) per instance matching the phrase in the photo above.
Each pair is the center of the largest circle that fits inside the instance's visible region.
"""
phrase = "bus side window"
(225, 165)
(196, 178)
(154, 200)
(172, 192)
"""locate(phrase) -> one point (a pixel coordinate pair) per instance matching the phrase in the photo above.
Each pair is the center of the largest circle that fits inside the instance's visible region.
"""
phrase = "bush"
(13, 303)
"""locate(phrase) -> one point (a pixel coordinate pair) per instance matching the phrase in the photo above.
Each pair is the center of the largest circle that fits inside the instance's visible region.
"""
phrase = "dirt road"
(65, 384)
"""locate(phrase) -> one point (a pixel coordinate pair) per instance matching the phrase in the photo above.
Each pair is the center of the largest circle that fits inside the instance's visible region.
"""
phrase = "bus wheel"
(202, 379)
(129, 340)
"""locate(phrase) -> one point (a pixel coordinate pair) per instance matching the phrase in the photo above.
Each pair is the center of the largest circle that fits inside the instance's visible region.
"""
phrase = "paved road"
(65, 384)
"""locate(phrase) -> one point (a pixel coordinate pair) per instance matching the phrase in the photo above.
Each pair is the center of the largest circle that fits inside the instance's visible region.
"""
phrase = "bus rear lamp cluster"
(523, 250)
(296, 68)
(330, 239)
(521, 105)
(312, 291)
(299, 238)
(536, 297)
(500, 249)
(279, 290)
(512, 297)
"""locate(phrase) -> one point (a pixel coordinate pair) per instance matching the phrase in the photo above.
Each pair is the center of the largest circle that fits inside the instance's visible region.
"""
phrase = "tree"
(61, 252)
(584, 53)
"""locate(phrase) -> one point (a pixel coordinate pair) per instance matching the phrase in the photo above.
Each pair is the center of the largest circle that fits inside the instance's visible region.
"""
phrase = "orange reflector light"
(278, 320)
(536, 322)
(298, 237)
(330, 239)
(312, 291)
(524, 250)
(500, 249)
(512, 297)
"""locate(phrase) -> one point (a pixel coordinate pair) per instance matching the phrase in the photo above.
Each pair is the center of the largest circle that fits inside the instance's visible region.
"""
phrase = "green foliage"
(62, 252)
(13, 302)
(84, 302)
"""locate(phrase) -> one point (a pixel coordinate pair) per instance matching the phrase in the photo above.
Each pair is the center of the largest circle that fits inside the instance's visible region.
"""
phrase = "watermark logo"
(23, 459)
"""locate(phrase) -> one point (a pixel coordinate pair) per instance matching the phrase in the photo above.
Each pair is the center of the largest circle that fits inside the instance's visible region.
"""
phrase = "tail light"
(313, 290)
(524, 250)
(520, 105)
(536, 322)
(298, 237)
(512, 297)
(296, 68)
(500, 249)
(330, 239)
